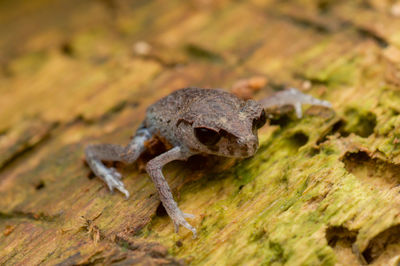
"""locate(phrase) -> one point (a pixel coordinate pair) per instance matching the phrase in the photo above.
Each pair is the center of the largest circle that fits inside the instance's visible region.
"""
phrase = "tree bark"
(323, 189)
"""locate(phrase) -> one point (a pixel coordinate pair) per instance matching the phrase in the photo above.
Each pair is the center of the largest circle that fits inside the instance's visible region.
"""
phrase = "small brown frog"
(193, 121)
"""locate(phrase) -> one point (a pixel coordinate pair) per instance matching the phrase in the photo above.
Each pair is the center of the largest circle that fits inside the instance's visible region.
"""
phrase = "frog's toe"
(188, 215)
(191, 228)
(115, 173)
(181, 221)
(298, 110)
(113, 181)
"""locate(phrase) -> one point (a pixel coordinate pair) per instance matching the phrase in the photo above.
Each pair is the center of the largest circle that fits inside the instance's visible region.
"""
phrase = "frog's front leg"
(95, 154)
(154, 169)
(292, 97)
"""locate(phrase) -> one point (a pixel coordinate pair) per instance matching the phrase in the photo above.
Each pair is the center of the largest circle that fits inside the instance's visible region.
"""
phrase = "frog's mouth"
(232, 148)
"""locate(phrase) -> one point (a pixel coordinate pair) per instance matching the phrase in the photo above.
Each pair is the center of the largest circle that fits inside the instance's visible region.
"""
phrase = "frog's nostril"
(241, 141)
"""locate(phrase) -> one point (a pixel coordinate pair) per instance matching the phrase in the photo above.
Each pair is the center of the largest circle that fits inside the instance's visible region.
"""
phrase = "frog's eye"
(260, 121)
(207, 136)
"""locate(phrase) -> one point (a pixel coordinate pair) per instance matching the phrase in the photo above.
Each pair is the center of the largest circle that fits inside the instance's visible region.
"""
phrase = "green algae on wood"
(320, 190)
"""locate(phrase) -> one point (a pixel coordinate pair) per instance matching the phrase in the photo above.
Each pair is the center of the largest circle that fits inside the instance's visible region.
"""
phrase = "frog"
(194, 121)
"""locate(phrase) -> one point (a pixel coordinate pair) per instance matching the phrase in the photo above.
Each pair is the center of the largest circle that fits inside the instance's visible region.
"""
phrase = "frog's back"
(162, 116)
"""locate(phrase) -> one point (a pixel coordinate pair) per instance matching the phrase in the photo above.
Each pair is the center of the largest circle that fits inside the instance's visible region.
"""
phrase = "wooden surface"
(321, 190)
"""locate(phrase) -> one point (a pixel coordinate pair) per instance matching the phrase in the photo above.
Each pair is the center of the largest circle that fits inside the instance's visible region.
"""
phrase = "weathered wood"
(321, 190)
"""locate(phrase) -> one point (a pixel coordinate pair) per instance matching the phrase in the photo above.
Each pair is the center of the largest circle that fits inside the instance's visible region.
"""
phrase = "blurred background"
(86, 56)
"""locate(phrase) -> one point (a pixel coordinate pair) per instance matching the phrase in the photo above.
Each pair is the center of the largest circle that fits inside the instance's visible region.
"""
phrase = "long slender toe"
(298, 110)
(125, 192)
(191, 228)
(113, 181)
(188, 215)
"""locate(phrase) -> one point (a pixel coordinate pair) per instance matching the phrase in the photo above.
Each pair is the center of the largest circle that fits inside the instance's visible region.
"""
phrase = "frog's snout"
(249, 145)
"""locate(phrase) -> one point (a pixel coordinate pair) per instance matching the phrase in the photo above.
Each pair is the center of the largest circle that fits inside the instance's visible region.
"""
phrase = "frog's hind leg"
(292, 97)
(96, 154)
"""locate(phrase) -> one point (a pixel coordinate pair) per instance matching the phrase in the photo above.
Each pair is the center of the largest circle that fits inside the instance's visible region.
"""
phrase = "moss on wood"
(320, 190)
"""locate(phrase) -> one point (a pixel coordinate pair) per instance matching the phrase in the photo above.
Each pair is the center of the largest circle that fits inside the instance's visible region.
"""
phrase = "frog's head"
(225, 126)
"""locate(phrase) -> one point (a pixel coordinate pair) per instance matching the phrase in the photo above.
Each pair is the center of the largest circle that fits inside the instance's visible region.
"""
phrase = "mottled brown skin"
(193, 121)
(175, 116)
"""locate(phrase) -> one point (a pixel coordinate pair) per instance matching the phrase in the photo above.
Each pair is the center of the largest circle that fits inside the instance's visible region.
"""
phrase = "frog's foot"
(113, 181)
(294, 98)
(115, 173)
(300, 98)
(179, 219)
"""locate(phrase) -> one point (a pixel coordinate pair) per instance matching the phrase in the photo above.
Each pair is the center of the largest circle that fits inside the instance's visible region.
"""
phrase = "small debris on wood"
(9, 229)
(245, 88)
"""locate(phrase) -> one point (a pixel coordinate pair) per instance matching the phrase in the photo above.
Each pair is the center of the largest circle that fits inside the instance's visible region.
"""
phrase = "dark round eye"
(260, 121)
(207, 136)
